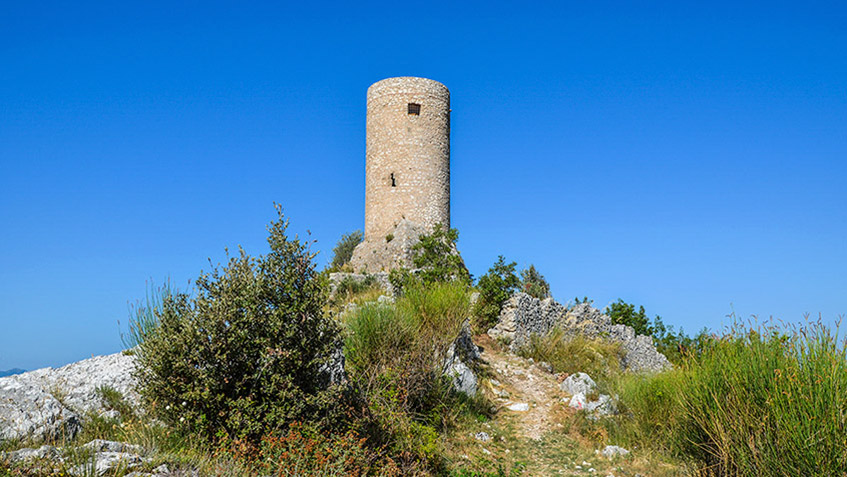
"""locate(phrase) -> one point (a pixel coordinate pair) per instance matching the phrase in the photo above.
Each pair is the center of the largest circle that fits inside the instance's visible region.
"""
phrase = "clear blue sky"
(691, 158)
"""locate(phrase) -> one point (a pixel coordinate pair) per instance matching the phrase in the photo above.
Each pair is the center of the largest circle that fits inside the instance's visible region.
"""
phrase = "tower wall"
(407, 155)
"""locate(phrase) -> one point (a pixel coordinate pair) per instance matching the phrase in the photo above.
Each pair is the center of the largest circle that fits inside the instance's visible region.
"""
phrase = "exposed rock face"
(53, 402)
(522, 316)
(380, 278)
(380, 254)
(578, 383)
(639, 353)
(460, 354)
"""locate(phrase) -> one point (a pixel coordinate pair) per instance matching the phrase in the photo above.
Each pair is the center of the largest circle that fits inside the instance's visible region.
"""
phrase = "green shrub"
(408, 339)
(343, 250)
(395, 358)
(495, 287)
(348, 287)
(534, 284)
(437, 258)
(244, 356)
(623, 313)
(674, 345)
(755, 402)
(575, 353)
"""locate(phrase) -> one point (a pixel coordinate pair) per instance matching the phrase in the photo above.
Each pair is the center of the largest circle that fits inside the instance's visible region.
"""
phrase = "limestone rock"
(51, 402)
(392, 251)
(28, 455)
(518, 407)
(461, 353)
(610, 452)
(522, 316)
(578, 383)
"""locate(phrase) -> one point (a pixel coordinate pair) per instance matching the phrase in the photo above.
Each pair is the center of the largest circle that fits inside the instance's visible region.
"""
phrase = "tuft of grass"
(575, 353)
(143, 320)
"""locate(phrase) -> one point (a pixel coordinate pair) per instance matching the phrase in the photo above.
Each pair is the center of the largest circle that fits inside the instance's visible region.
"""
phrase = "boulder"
(610, 452)
(578, 383)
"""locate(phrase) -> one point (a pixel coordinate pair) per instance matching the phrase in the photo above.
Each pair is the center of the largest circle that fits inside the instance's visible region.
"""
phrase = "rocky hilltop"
(53, 403)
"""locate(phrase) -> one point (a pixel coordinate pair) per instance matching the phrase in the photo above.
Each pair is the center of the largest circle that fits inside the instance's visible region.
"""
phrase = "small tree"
(623, 313)
(246, 355)
(436, 260)
(343, 251)
(534, 283)
(495, 287)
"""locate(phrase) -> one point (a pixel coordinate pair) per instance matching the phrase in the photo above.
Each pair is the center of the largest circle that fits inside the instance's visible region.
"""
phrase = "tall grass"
(395, 357)
(575, 353)
(143, 320)
(763, 401)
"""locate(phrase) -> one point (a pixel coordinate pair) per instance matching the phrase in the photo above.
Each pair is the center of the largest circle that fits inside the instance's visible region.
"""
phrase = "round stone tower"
(407, 155)
(407, 171)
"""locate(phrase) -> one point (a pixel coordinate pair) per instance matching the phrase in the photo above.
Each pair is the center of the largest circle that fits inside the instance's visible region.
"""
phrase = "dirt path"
(518, 381)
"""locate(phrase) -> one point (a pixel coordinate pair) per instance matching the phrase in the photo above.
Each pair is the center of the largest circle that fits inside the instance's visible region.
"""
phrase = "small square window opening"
(415, 108)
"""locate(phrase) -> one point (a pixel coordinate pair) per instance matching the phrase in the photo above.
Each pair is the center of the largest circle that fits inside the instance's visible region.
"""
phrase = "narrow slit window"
(393, 182)
(415, 108)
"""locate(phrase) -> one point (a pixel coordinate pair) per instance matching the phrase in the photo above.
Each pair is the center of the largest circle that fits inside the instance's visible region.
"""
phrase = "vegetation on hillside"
(674, 345)
(756, 401)
(495, 287)
(236, 375)
(343, 250)
(246, 354)
(534, 284)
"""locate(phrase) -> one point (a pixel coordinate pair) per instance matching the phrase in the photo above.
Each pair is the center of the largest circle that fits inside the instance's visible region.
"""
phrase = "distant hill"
(12, 371)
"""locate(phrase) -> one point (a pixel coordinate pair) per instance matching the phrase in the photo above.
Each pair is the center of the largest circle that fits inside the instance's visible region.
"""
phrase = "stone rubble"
(106, 456)
(523, 316)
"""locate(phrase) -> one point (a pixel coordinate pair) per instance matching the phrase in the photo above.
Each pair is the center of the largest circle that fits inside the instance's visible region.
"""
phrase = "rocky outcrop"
(460, 357)
(639, 354)
(392, 251)
(53, 403)
(523, 316)
(378, 278)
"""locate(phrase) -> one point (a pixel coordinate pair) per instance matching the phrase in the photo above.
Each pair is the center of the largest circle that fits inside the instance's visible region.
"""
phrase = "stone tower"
(407, 185)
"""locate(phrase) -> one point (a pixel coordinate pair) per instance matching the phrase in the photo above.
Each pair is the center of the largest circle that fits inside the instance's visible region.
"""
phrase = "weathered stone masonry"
(407, 165)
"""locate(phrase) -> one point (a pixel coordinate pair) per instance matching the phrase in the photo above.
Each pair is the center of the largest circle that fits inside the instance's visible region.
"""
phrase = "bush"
(244, 357)
(674, 345)
(304, 450)
(436, 259)
(623, 313)
(755, 402)
(343, 251)
(408, 339)
(534, 283)
(395, 357)
(575, 353)
(495, 287)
